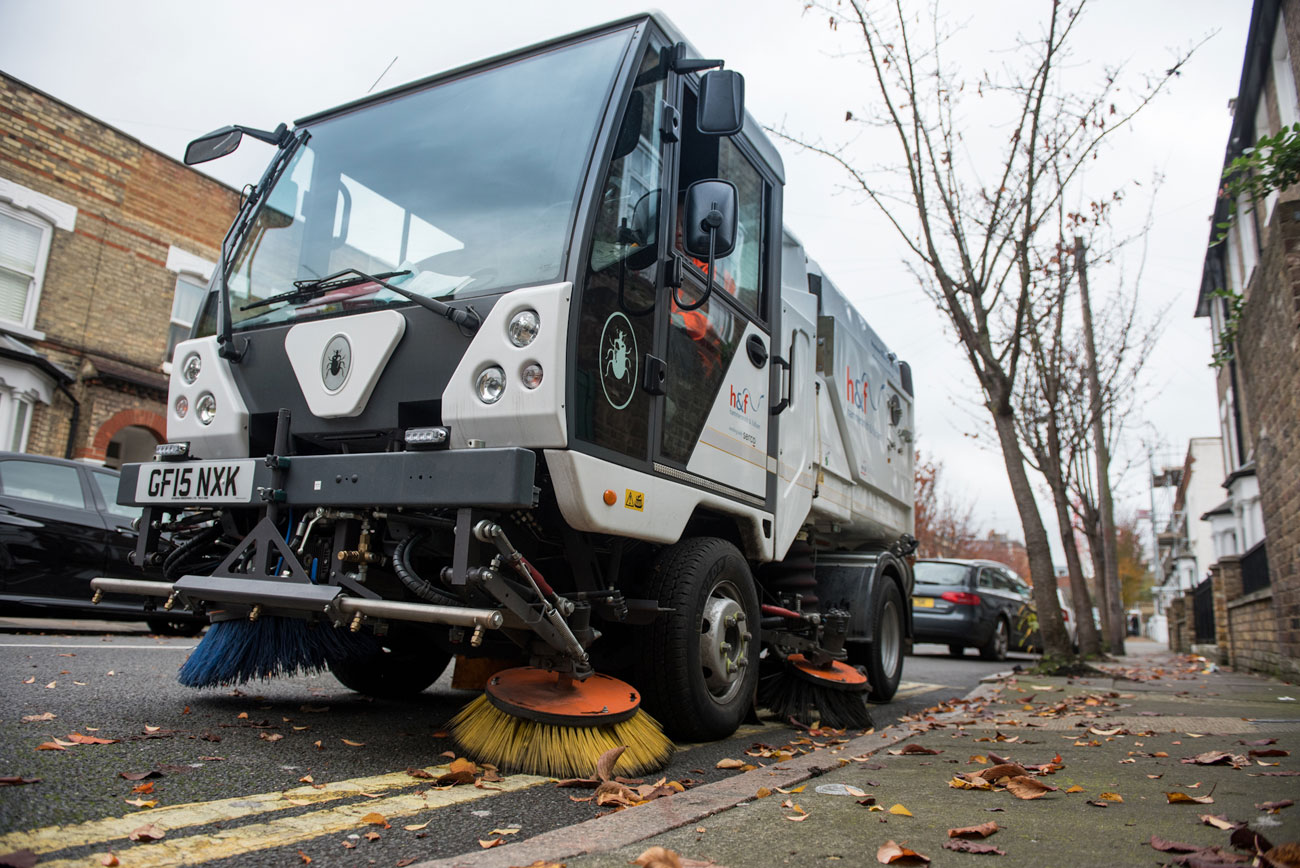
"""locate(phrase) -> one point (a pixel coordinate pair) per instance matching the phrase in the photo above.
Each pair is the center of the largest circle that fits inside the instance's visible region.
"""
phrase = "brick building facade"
(1258, 583)
(106, 249)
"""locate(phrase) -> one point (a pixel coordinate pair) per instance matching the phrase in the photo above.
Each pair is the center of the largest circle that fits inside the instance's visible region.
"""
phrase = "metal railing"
(1203, 612)
(1254, 569)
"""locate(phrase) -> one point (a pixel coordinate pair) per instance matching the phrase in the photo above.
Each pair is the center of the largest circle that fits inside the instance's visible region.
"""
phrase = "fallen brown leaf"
(78, 738)
(1002, 770)
(1075, 789)
(915, 749)
(371, 836)
(900, 811)
(1218, 822)
(1176, 798)
(109, 860)
(983, 830)
(658, 857)
(417, 827)
(961, 845)
(729, 764)
(420, 773)
(143, 789)
(1274, 807)
(33, 718)
(1272, 751)
(1111, 797)
(270, 736)
(891, 852)
(492, 842)
(1166, 846)
(1025, 787)
(306, 860)
(142, 803)
(351, 743)
(17, 780)
(606, 761)
(50, 745)
(797, 818)
(148, 832)
(374, 818)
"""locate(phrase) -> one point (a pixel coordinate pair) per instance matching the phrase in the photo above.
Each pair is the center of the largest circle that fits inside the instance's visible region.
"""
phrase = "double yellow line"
(111, 833)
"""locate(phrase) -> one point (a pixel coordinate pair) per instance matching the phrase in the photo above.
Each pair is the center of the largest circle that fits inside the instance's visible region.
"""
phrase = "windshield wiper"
(306, 290)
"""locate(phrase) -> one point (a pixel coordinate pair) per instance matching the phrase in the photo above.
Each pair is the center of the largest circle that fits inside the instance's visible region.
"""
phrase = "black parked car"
(963, 604)
(60, 527)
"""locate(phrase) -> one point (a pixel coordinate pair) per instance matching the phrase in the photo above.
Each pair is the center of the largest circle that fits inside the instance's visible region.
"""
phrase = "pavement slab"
(1121, 738)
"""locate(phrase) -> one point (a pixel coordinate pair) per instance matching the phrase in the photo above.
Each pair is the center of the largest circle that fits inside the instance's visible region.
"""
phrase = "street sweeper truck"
(519, 365)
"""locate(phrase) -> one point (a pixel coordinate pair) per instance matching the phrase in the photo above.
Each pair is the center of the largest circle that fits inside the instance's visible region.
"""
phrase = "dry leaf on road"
(658, 857)
(891, 852)
(148, 832)
(983, 830)
(33, 718)
(605, 762)
(1025, 787)
(49, 745)
(729, 764)
(1176, 798)
(374, 818)
(900, 811)
(961, 845)
(351, 743)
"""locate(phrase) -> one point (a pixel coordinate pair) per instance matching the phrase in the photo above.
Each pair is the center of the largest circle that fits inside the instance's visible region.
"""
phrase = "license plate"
(196, 482)
(923, 602)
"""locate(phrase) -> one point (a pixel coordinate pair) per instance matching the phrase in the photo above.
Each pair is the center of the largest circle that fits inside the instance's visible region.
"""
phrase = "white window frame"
(194, 280)
(1288, 100)
(26, 326)
(199, 270)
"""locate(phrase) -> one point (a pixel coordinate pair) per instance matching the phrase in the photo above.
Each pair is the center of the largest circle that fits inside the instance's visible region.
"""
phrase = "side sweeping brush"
(835, 695)
(535, 722)
(238, 650)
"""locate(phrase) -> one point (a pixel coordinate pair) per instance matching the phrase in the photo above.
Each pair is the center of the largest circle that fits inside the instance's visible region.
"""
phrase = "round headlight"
(532, 376)
(491, 385)
(524, 327)
(190, 370)
(182, 406)
(206, 408)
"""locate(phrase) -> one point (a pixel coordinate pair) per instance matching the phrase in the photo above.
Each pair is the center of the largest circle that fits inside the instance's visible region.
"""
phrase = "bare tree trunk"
(1089, 641)
(1114, 610)
(1052, 627)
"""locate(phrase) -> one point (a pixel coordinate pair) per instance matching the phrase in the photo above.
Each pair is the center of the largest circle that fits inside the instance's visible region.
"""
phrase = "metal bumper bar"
(294, 595)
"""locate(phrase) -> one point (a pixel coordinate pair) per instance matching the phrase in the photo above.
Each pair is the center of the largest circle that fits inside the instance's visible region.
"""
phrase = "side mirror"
(710, 219)
(721, 107)
(709, 230)
(215, 144)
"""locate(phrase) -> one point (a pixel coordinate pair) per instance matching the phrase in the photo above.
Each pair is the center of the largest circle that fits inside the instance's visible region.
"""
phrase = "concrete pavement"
(1121, 741)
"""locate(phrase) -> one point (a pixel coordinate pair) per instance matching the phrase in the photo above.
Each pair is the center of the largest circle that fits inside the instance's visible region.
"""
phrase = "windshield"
(469, 186)
(939, 573)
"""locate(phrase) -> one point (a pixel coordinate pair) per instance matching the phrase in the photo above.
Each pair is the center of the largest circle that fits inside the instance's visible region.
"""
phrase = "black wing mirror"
(721, 108)
(220, 142)
(710, 228)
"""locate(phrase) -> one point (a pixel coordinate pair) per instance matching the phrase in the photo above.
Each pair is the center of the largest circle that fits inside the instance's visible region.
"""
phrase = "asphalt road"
(232, 794)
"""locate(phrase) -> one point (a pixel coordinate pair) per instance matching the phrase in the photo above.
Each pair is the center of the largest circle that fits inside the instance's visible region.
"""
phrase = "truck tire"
(996, 647)
(698, 667)
(885, 651)
(391, 673)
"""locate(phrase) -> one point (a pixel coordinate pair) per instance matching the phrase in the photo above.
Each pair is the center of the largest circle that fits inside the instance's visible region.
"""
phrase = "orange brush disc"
(546, 697)
(838, 675)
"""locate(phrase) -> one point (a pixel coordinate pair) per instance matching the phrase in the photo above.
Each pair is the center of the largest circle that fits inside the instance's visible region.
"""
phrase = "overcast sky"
(166, 72)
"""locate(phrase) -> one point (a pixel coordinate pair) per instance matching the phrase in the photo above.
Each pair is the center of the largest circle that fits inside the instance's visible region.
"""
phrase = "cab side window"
(986, 579)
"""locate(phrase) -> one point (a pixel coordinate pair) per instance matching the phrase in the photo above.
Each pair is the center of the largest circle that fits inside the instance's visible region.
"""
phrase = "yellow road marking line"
(53, 838)
(914, 688)
(288, 831)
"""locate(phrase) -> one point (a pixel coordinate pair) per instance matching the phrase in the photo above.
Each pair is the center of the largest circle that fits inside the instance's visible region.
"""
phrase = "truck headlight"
(190, 370)
(206, 408)
(524, 327)
(532, 376)
(182, 406)
(491, 385)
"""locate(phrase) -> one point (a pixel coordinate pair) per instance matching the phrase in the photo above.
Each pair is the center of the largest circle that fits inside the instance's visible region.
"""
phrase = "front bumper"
(484, 478)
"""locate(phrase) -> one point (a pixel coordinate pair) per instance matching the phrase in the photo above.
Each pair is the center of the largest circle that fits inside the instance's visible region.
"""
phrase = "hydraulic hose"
(414, 583)
(175, 561)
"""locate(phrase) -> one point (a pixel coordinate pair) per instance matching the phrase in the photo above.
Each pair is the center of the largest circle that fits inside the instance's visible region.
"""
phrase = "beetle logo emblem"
(618, 360)
(336, 363)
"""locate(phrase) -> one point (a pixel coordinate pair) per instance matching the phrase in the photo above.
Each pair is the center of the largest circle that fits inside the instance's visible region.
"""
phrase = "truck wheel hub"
(724, 643)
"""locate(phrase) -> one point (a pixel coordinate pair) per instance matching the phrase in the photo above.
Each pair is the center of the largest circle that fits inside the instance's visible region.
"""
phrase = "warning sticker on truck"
(634, 499)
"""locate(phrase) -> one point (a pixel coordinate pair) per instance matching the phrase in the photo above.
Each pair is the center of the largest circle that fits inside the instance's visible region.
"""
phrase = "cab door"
(715, 409)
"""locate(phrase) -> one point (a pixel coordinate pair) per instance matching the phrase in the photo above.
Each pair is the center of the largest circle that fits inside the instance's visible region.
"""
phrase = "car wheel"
(996, 647)
(391, 673)
(957, 650)
(699, 665)
(174, 626)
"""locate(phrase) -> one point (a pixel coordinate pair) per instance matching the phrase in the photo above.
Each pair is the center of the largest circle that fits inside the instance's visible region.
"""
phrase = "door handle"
(779, 407)
(757, 351)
